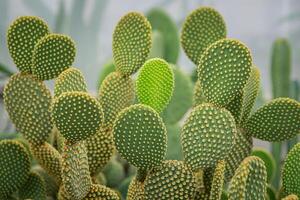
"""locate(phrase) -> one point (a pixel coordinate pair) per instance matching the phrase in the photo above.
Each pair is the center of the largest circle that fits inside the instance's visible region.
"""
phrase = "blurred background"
(257, 23)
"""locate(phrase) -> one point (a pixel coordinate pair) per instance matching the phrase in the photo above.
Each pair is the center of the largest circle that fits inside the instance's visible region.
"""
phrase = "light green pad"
(155, 84)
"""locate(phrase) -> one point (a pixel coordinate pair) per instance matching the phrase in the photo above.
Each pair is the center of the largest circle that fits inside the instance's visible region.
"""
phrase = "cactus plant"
(85, 145)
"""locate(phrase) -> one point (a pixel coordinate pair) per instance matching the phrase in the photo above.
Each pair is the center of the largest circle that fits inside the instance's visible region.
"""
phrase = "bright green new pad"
(100, 192)
(223, 70)
(100, 148)
(14, 166)
(22, 36)
(70, 80)
(160, 21)
(34, 188)
(171, 180)
(240, 150)
(53, 54)
(131, 42)
(181, 99)
(115, 94)
(140, 136)
(27, 101)
(49, 158)
(268, 160)
(155, 84)
(75, 171)
(201, 28)
(276, 121)
(218, 181)
(207, 136)
(136, 190)
(291, 171)
(249, 180)
(250, 93)
(77, 115)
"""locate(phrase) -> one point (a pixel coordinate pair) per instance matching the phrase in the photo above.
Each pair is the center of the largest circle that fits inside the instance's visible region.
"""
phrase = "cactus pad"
(240, 150)
(207, 136)
(171, 180)
(100, 149)
(27, 101)
(181, 99)
(275, 121)
(14, 166)
(223, 70)
(53, 54)
(99, 192)
(201, 28)
(115, 94)
(250, 93)
(136, 190)
(70, 80)
(291, 171)
(291, 197)
(140, 136)
(218, 181)
(131, 42)
(49, 158)
(268, 160)
(75, 171)
(22, 36)
(34, 188)
(155, 84)
(249, 180)
(77, 115)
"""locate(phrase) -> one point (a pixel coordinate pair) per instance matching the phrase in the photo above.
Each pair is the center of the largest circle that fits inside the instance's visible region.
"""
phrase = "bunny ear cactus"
(249, 180)
(14, 166)
(201, 28)
(101, 192)
(291, 197)
(291, 171)
(27, 101)
(207, 136)
(155, 84)
(34, 188)
(136, 190)
(140, 136)
(131, 43)
(176, 178)
(31, 29)
(218, 181)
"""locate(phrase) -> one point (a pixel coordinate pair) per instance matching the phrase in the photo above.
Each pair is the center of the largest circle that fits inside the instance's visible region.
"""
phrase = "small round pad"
(155, 84)
(131, 42)
(201, 28)
(53, 54)
(22, 36)
(223, 70)
(140, 136)
(70, 80)
(77, 115)
(171, 180)
(207, 136)
(276, 121)
(291, 171)
(14, 166)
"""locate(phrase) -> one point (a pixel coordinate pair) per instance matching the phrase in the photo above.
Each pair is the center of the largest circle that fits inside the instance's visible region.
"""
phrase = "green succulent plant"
(87, 147)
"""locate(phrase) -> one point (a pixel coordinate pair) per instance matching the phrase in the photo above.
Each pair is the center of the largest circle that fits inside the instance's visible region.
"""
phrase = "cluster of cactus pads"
(73, 135)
